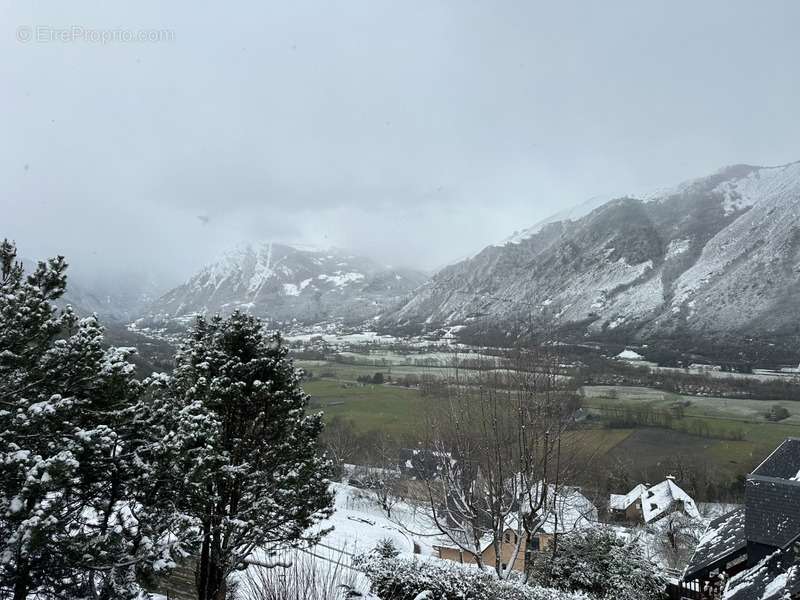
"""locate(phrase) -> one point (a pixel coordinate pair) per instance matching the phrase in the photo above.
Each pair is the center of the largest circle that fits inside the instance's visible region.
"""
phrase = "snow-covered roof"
(573, 511)
(629, 354)
(442, 540)
(568, 511)
(723, 538)
(657, 501)
(767, 580)
(623, 501)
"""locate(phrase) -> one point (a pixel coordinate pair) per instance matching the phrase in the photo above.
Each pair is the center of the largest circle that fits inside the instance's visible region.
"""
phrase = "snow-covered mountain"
(284, 283)
(717, 254)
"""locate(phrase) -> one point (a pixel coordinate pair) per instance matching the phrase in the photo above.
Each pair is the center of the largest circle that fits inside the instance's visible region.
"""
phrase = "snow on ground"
(341, 278)
(677, 247)
(767, 181)
(712, 510)
(358, 525)
(629, 354)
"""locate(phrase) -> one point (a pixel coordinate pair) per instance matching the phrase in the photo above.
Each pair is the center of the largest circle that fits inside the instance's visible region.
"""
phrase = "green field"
(722, 416)
(398, 410)
(395, 410)
(741, 409)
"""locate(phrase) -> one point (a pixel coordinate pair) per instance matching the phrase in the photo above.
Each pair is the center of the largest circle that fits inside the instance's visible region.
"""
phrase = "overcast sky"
(415, 131)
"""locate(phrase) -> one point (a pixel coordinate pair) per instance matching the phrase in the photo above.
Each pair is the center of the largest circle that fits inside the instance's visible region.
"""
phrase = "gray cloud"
(415, 131)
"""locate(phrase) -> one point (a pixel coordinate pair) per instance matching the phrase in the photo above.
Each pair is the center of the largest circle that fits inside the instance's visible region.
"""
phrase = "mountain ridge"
(284, 283)
(708, 255)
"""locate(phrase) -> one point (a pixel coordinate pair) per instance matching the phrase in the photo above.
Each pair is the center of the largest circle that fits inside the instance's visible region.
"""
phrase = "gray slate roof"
(772, 497)
(784, 462)
(770, 579)
(773, 510)
(723, 538)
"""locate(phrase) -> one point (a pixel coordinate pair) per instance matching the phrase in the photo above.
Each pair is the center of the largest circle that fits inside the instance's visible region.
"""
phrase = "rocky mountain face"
(715, 255)
(284, 283)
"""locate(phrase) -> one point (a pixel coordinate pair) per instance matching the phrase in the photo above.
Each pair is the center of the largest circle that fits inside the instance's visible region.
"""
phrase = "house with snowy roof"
(753, 552)
(422, 463)
(569, 510)
(646, 505)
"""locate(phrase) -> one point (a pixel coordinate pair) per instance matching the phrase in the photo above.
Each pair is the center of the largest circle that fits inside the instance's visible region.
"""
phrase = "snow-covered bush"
(601, 563)
(407, 579)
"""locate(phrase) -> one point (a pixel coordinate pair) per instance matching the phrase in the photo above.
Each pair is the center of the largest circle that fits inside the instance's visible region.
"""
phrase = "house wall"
(488, 556)
(634, 512)
(545, 541)
(506, 553)
(453, 554)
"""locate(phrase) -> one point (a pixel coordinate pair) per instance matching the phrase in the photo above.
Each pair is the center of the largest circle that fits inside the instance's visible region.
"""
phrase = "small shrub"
(408, 579)
(386, 548)
(777, 413)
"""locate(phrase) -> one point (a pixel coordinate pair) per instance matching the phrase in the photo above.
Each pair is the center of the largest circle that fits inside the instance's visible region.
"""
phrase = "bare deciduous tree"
(499, 438)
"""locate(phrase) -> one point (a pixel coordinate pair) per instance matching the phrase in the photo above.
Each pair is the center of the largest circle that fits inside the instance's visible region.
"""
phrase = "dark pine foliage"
(248, 452)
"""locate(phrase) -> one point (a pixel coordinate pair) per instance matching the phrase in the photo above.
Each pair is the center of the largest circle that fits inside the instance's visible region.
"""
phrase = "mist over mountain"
(710, 258)
(286, 283)
(716, 255)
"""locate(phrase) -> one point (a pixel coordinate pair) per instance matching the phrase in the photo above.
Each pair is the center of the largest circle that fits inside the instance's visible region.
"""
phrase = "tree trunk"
(22, 583)
(216, 568)
(203, 565)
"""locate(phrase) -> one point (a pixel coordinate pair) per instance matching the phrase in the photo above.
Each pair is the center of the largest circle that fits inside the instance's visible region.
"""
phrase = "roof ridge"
(778, 447)
(773, 479)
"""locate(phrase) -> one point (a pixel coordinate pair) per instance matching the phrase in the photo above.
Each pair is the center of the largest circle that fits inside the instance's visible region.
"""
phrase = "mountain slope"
(718, 254)
(284, 283)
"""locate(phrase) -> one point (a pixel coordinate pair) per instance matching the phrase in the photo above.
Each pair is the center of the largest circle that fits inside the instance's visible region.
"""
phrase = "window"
(535, 544)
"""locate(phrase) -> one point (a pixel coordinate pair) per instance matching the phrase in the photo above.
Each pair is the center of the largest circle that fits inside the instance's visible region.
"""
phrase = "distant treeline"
(630, 417)
(734, 352)
(693, 384)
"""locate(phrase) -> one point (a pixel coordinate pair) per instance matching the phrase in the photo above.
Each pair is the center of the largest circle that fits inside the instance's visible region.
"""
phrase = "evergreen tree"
(250, 456)
(74, 451)
(386, 548)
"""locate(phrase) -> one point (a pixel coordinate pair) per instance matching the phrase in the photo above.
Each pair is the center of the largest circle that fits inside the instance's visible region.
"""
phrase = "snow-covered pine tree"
(74, 450)
(254, 473)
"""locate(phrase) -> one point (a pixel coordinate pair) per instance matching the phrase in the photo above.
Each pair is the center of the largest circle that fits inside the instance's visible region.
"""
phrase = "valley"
(728, 435)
